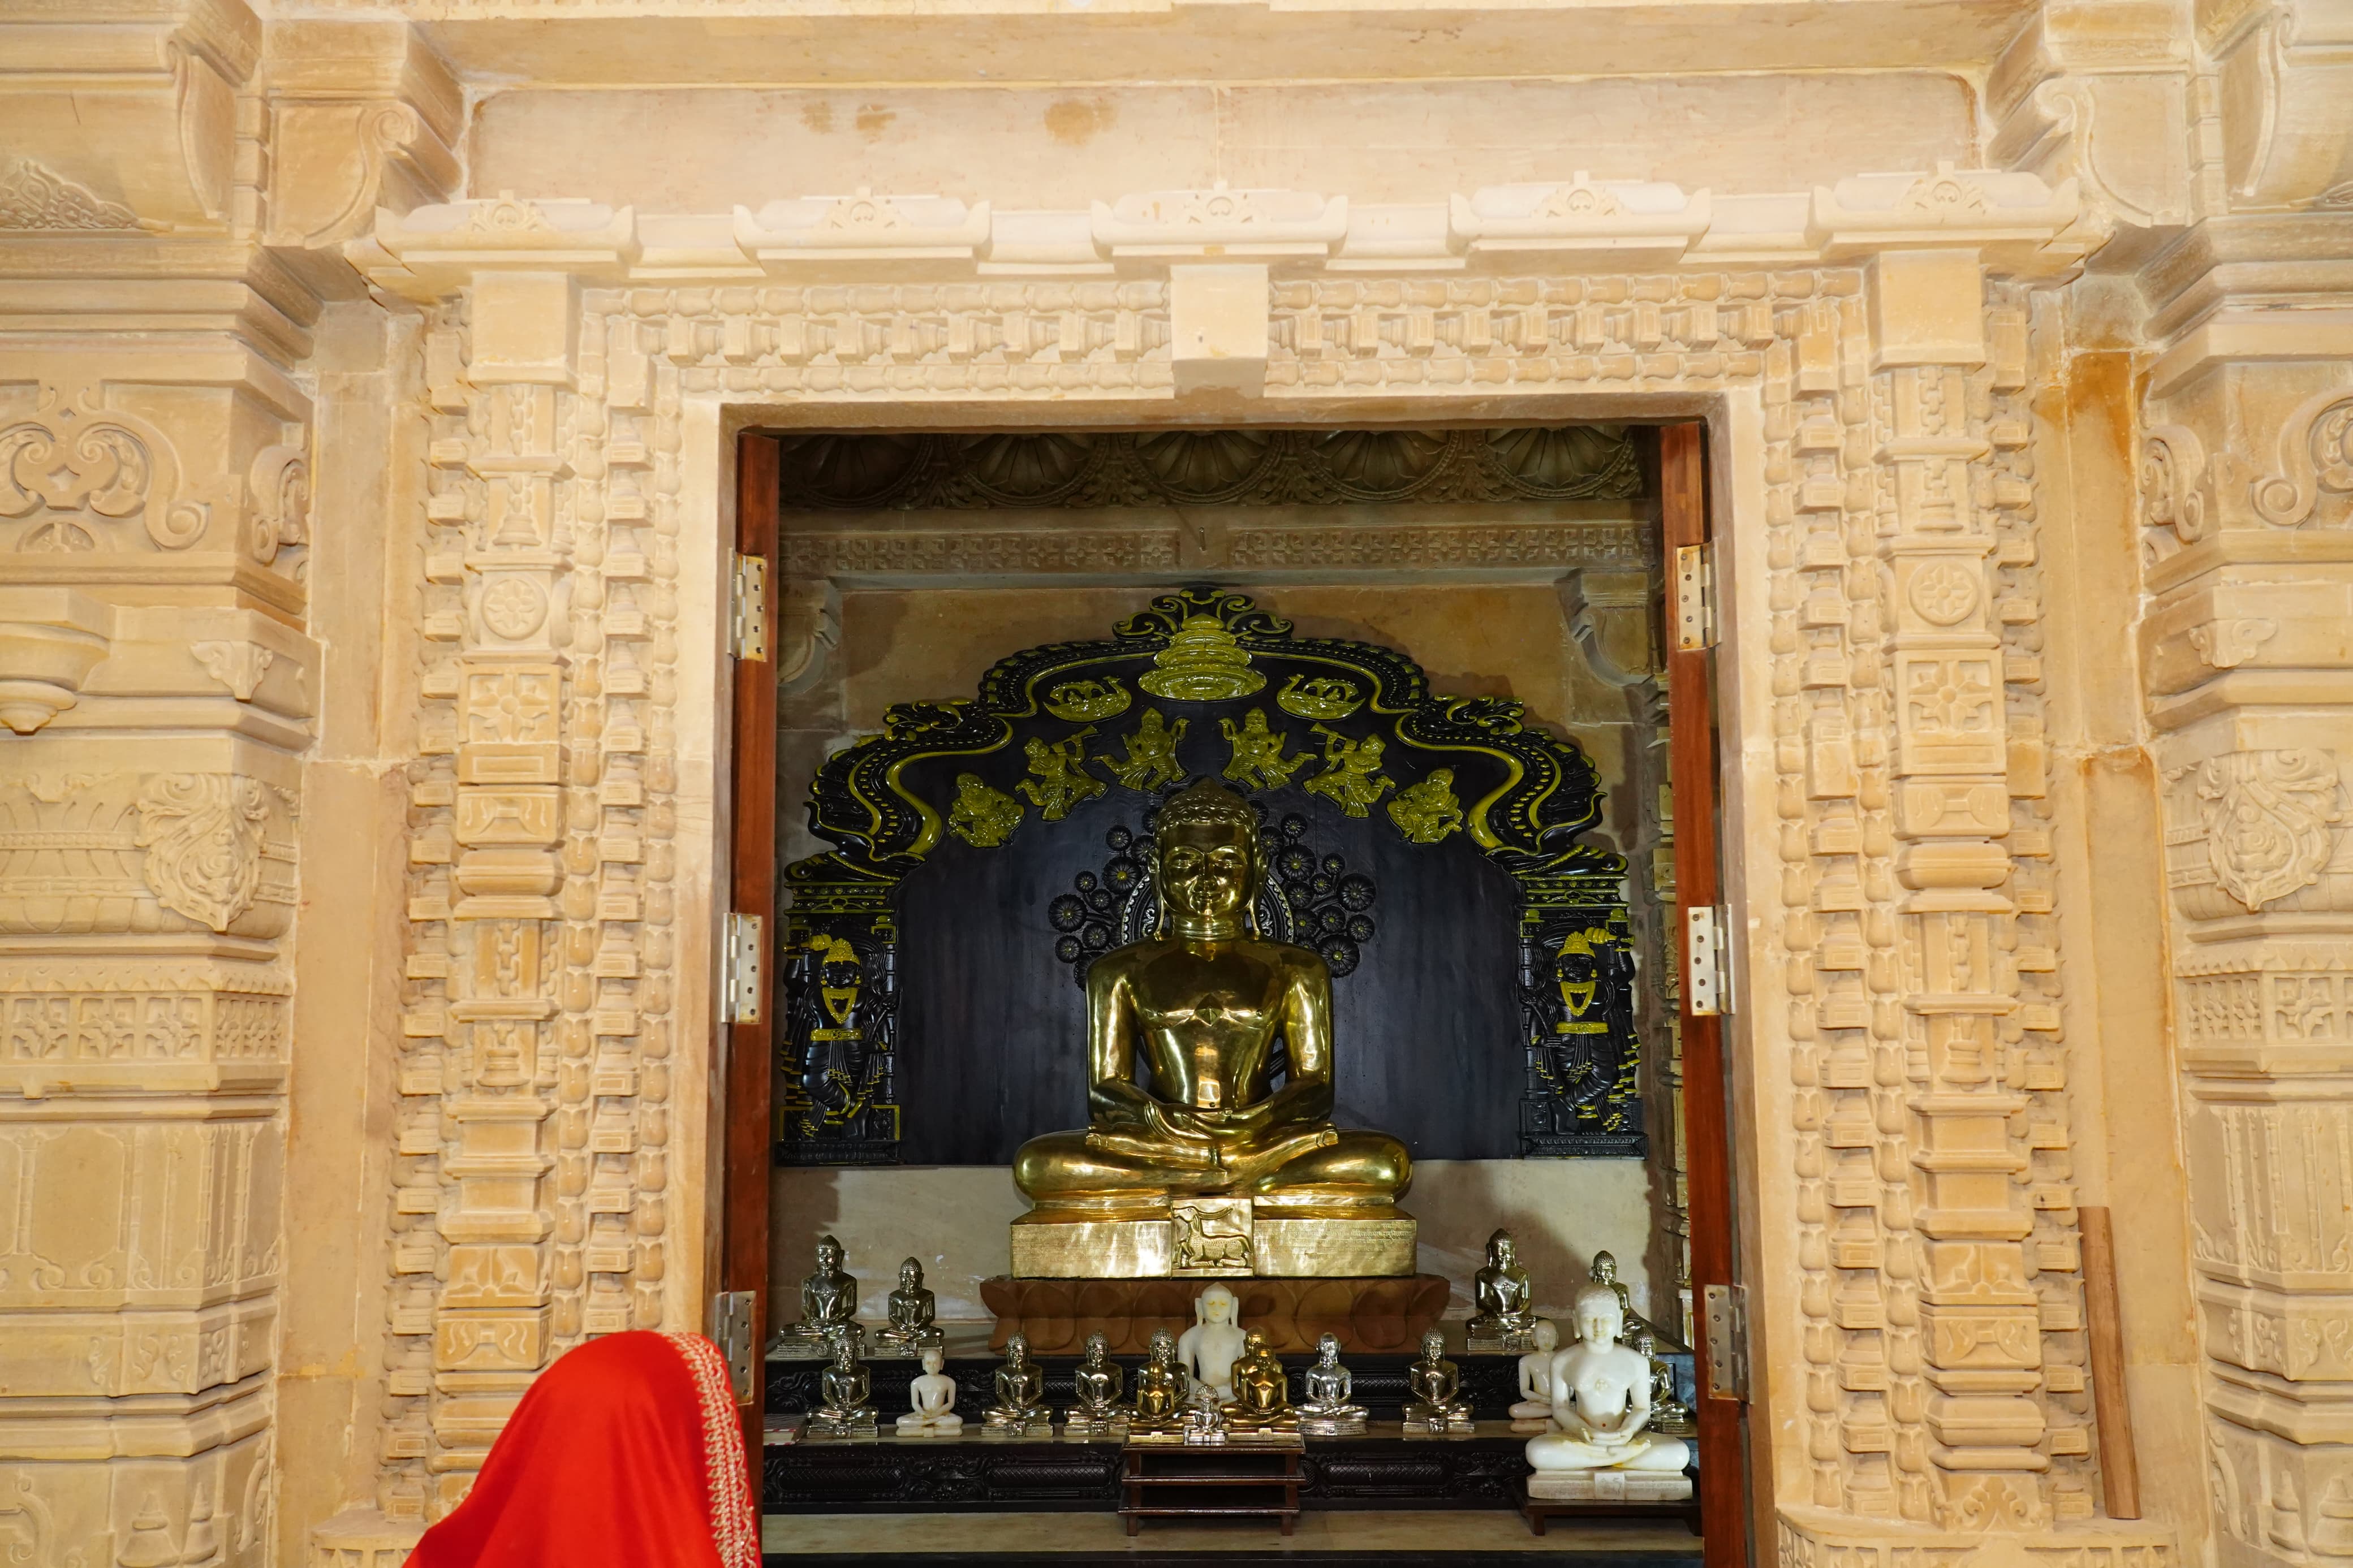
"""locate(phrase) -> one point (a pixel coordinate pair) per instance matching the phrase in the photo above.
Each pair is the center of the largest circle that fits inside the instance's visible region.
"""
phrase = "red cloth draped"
(625, 1454)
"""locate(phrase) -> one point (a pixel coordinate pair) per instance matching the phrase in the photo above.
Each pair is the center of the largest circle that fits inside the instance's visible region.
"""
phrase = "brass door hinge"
(748, 610)
(1708, 980)
(741, 967)
(731, 1331)
(1724, 1324)
(1694, 589)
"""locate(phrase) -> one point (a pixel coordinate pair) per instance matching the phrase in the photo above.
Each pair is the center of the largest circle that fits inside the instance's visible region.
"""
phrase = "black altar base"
(1382, 1469)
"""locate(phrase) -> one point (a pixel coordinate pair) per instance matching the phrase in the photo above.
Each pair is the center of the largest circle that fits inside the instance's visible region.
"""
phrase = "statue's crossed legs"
(1350, 1170)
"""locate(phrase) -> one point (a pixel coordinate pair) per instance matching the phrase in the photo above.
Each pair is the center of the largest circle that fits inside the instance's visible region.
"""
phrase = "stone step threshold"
(1494, 1537)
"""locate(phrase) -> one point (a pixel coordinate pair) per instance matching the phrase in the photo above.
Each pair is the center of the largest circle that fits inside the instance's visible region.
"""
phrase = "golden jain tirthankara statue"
(1206, 1168)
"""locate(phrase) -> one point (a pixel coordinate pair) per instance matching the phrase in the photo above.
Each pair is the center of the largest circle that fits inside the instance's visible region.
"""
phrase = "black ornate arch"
(1055, 730)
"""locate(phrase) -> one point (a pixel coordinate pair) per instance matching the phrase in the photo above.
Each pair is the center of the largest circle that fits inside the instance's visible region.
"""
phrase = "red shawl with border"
(625, 1454)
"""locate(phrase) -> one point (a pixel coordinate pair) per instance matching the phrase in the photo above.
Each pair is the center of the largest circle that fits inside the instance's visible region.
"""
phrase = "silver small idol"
(913, 1311)
(1020, 1407)
(1507, 1319)
(1326, 1412)
(828, 1301)
(1205, 1418)
(1667, 1413)
(1437, 1409)
(1096, 1385)
(844, 1412)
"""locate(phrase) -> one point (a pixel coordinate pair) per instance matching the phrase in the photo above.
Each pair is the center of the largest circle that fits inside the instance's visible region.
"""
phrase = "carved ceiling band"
(1224, 467)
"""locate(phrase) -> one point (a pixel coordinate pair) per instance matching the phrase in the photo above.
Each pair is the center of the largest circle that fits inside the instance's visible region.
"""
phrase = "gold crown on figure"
(1203, 662)
(1206, 800)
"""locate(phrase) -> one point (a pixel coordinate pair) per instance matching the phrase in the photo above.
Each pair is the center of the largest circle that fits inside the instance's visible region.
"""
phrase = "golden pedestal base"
(1372, 1317)
(1210, 1238)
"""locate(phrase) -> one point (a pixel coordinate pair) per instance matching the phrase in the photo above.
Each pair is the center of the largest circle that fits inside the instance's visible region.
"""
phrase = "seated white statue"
(1536, 1378)
(933, 1394)
(1600, 1400)
(1210, 1347)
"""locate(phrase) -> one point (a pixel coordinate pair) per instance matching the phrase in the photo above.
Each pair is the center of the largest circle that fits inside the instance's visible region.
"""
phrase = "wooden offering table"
(1536, 1509)
(1173, 1479)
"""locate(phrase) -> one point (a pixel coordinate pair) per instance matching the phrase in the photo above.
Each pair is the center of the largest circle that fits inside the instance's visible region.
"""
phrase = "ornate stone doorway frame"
(1899, 1093)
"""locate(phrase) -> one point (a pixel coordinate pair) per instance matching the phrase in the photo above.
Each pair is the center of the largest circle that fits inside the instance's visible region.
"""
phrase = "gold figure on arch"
(1426, 812)
(983, 818)
(1151, 754)
(1351, 776)
(1258, 761)
(1059, 778)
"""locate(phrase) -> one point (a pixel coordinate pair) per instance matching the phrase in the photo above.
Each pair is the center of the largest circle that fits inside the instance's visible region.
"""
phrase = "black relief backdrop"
(992, 1025)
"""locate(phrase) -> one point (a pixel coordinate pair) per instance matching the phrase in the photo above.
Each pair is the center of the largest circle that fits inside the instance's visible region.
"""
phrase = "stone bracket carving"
(1625, 222)
(1610, 616)
(361, 116)
(2011, 220)
(862, 226)
(810, 628)
(50, 640)
(1252, 225)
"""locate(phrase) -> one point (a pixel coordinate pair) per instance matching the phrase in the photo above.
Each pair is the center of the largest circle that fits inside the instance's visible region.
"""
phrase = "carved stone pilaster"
(154, 533)
(2247, 500)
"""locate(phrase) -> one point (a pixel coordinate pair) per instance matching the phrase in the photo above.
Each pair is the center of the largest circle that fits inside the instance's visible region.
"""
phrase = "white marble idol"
(933, 1392)
(1534, 1412)
(1600, 1393)
(1211, 1346)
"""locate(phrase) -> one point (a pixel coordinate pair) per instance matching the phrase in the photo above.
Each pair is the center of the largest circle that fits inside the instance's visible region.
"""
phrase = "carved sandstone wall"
(374, 834)
(1928, 1291)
